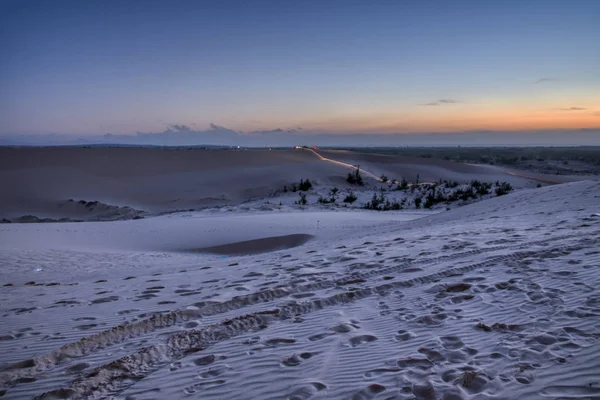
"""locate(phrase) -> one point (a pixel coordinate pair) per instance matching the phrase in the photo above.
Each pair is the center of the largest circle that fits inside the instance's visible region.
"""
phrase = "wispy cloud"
(573, 109)
(179, 128)
(441, 102)
(544, 80)
(215, 127)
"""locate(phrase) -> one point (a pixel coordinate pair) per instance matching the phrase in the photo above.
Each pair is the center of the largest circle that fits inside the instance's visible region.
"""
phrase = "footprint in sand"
(105, 300)
(206, 360)
(306, 391)
(358, 340)
(370, 392)
(403, 336)
(296, 359)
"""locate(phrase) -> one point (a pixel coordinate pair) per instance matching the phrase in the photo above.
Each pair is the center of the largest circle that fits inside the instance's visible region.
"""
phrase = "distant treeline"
(495, 155)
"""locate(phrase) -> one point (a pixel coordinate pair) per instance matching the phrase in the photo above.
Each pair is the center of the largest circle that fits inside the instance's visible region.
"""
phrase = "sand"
(248, 299)
(42, 180)
(428, 169)
(99, 184)
(497, 299)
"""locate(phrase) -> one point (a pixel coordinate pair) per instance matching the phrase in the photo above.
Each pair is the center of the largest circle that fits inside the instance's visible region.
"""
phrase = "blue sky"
(94, 67)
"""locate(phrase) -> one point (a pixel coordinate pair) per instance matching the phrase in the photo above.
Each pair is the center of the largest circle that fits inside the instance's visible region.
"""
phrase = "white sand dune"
(496, 300)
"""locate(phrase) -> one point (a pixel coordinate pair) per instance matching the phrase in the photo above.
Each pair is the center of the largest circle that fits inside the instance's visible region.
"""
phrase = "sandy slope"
(498, 299)
(51, 182)
(41, 180)
(428, 169)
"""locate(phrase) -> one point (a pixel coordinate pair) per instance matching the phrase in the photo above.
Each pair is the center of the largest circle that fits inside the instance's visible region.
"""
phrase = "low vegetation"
(303, 201)
(350, 198)
(380, 202)
(416, 195)
(304, 185)
(355, 177)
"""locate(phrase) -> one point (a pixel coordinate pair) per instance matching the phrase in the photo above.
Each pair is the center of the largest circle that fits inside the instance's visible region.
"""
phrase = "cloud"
(441, 102)
(178, 128)
(276, 131)
(214, 127)
(597, 113)
(544, 80)
(573, 109)
(449, 101)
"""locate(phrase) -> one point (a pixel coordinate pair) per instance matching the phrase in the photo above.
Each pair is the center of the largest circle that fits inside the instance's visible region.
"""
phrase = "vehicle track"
(115, 376)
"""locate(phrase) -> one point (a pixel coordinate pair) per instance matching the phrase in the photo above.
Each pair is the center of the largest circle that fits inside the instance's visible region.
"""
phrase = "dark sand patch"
(257, 246)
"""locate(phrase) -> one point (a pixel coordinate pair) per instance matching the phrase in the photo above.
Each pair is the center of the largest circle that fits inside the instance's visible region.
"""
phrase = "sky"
(85, 69)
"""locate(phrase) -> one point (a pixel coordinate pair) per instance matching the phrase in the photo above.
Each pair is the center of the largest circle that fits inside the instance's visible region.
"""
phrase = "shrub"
(403, 185)
(375, 202)
(429, 201)
(418, 202)
(324, 200)
(440, 196)
(450, 184)
(302, 200)
(381, 203)
(483, 188)
(305, 185)
(334, 191)
(350, 198)
(503, 188)
(384, 178)
(355, 178)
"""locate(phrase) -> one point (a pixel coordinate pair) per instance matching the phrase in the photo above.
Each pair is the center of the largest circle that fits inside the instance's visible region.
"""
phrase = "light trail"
(343, 164)
(507, 172)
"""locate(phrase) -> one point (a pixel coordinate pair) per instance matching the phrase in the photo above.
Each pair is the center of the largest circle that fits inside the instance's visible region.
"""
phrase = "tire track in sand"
(117, 375)
(120, 333)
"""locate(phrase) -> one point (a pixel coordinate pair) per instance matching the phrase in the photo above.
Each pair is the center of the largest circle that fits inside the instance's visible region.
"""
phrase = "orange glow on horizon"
(469, 119)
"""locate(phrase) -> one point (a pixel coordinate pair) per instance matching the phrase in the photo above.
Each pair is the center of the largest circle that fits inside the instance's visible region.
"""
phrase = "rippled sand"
(499, 299)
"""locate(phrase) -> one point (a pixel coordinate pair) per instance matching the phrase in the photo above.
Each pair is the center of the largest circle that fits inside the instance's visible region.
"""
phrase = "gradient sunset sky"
(92, 67)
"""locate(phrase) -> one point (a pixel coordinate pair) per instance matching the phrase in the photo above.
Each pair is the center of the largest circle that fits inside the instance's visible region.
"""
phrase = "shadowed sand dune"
(44, 182)
(427, 169)
(258, 246)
